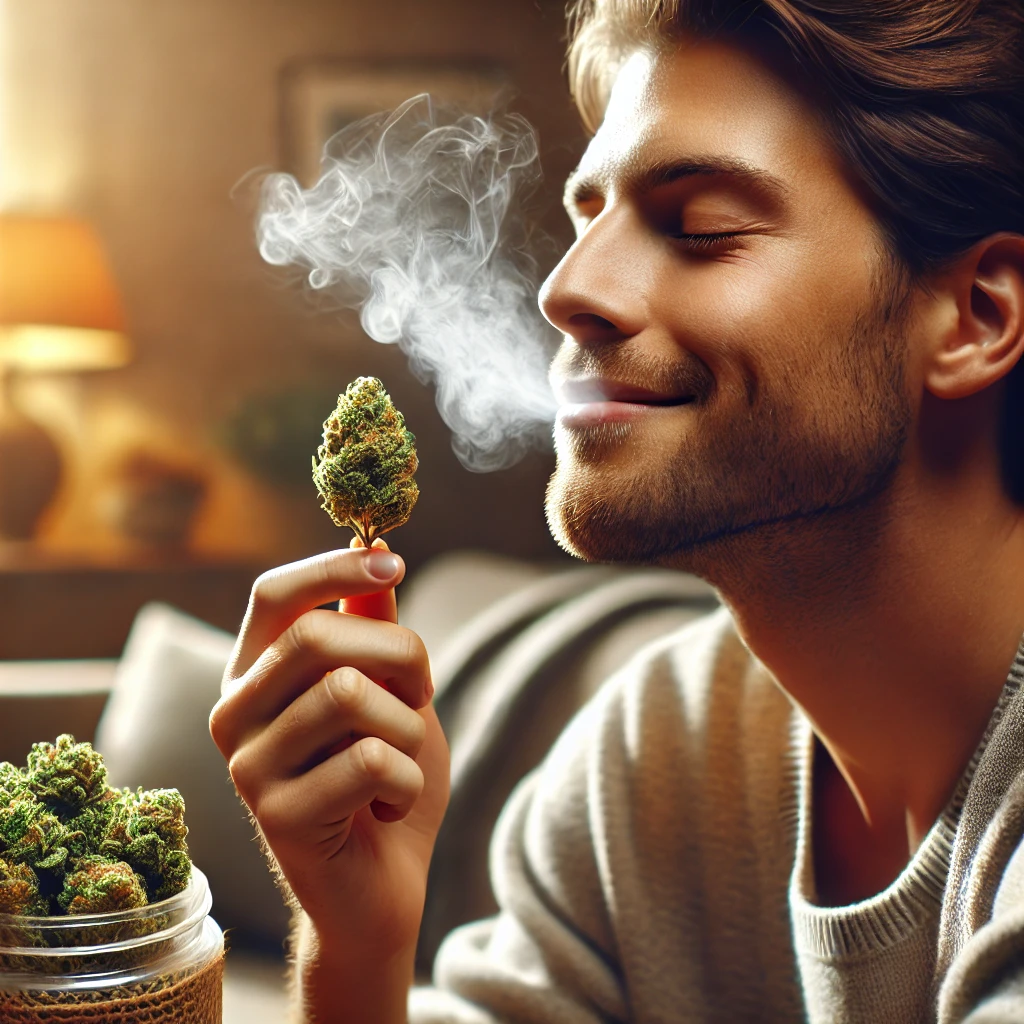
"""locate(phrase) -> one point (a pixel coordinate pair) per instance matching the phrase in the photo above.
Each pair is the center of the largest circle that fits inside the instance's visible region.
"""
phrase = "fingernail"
(430, 690)
(381, 565)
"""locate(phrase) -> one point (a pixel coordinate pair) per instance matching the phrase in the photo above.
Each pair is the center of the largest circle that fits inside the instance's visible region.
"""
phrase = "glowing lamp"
(60, 312)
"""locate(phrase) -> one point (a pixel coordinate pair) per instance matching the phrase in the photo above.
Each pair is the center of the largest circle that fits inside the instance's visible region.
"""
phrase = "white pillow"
(154, 733)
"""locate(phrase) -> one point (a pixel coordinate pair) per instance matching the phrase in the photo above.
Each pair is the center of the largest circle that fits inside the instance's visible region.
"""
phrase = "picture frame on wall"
(319, 97)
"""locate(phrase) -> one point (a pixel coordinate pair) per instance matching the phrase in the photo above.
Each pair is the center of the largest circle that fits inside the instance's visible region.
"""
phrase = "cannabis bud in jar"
(71, 844)
(364, 469)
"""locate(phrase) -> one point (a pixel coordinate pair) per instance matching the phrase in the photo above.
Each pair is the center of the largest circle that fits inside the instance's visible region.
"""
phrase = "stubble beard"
(797, 451)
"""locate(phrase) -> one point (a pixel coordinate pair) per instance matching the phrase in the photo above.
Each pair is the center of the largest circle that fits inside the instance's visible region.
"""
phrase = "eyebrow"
(646, 178)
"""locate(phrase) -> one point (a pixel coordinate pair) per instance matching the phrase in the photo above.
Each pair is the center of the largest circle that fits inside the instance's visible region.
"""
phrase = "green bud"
(102, 886)
(157, 846)
(367, 462)
(66, 776)
(19, 891)
(31, 834)
(104, 819)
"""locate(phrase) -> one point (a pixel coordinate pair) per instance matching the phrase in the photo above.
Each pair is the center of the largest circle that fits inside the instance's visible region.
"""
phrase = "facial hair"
(803, 443)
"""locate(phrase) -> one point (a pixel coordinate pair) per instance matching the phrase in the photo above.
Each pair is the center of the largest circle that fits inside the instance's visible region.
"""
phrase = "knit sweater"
(656, 868)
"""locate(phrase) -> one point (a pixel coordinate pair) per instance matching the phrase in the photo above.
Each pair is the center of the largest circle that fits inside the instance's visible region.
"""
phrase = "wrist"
(345, 980)
(354, 957)
(340, 945)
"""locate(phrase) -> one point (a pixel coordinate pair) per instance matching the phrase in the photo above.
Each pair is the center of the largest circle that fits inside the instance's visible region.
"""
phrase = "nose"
(594, 293)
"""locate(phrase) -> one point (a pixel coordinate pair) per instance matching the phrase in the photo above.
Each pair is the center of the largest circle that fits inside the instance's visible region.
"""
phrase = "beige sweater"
(655, 869)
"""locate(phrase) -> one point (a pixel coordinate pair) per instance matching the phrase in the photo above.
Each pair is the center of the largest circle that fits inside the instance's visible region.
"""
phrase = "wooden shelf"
(60, 606)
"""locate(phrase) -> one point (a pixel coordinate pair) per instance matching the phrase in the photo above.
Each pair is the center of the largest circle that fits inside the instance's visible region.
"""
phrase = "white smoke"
(416, 220)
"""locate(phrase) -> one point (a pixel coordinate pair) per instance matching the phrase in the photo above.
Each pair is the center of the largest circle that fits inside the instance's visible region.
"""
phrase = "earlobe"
(981, 337)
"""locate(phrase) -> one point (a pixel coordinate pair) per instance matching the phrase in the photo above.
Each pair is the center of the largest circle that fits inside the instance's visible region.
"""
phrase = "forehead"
(705, 99)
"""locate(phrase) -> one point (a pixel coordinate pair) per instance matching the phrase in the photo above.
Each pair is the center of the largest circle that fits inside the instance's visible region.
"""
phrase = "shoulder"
(693, 725)
(986, 968)
(981, 943)
(669, 789)
(677, 696)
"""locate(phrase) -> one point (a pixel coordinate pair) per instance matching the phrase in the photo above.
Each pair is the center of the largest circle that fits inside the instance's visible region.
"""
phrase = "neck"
(892, 625)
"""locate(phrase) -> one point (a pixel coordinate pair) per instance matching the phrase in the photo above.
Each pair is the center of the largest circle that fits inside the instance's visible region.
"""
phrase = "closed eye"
(700, 242)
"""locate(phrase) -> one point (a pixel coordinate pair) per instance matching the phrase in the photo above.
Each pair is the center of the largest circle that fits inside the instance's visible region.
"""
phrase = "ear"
(981, 336)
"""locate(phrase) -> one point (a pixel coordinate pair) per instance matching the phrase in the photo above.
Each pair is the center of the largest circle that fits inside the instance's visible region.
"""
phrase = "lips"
(582, 391)
(589, 402)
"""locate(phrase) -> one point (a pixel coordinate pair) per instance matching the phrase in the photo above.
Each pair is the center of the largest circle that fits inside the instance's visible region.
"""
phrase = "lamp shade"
(59, 305)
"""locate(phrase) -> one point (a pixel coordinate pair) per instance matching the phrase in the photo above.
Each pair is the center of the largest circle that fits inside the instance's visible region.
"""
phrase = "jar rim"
(182, 910)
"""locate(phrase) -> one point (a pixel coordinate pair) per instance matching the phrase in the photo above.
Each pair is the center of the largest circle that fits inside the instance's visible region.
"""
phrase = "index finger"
(281, 595)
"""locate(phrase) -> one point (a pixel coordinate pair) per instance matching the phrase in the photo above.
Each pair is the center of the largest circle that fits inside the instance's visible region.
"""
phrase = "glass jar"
(163, 961)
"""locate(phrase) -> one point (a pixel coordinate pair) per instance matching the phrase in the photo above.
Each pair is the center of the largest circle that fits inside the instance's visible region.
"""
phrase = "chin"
(697, 513)
(606, 516)
(696, 499)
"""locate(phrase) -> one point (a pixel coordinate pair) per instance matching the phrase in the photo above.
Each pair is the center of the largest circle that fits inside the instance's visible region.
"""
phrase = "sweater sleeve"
(548, 956)
(1004, 1006)
(993, 977)
(985, 983)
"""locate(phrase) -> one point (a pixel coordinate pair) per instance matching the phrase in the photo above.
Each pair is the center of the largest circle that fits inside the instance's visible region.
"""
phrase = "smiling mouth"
(603, 410)
(590, 392)
(684, 400)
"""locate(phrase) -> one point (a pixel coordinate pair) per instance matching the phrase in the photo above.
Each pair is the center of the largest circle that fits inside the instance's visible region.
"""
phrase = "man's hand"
(331, 740)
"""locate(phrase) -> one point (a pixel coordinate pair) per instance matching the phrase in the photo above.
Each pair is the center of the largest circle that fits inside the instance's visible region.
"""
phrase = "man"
(792, 318)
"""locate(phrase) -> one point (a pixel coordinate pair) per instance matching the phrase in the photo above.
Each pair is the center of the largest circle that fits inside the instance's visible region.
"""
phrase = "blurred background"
(163, 388)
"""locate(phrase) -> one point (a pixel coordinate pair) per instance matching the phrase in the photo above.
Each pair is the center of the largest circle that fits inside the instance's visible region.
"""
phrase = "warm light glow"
(59, 305)
(40, 348)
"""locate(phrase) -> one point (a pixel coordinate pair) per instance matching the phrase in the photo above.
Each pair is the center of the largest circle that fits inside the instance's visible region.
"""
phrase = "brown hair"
(924, 99)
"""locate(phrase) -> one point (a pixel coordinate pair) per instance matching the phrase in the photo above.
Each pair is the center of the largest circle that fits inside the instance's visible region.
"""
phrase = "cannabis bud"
(101, 886)
(19, 890)
(66, 775)
(71, 844)
(366, 463)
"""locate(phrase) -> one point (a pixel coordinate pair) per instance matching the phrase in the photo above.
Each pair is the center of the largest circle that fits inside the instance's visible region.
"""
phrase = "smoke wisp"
(417, 222)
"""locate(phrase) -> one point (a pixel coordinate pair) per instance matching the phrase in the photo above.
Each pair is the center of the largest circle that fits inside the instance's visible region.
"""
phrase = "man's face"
(732, 357)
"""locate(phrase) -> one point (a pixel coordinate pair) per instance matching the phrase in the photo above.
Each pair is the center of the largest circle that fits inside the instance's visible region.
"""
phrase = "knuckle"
(276, 817)
(225, 722)
(346, 689)
(411, 651)
(240, 769)
(305, 633)
(374, 756)
(265, 589)
(218, 725)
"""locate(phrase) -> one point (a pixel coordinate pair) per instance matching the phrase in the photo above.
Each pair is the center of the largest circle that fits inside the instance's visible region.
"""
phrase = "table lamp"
(60, 312)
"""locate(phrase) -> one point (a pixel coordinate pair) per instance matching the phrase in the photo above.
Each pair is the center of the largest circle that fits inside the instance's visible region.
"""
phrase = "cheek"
(754, 316)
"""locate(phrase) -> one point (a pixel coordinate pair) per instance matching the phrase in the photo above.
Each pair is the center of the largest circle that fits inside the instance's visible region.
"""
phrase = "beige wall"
(143, 115)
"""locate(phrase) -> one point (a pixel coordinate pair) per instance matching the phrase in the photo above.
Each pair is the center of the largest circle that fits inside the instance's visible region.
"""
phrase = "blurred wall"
(144, 115)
